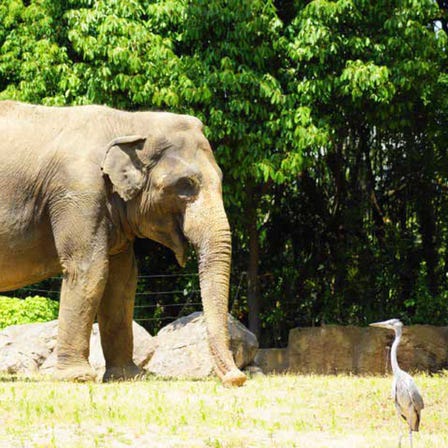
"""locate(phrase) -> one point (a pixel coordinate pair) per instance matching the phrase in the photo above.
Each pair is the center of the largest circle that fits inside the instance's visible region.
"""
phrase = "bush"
(32, 309)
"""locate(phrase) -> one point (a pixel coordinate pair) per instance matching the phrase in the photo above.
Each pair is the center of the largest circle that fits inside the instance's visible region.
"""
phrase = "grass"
(273, 411)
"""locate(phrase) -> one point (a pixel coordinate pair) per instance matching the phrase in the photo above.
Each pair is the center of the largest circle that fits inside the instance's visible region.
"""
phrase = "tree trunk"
(253, 289)
(429, 234)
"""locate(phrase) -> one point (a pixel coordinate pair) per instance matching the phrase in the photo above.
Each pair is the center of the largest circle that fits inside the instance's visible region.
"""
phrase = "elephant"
(77, 185)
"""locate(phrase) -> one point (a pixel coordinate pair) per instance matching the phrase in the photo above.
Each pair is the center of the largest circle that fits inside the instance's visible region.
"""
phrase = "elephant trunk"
(213, 246)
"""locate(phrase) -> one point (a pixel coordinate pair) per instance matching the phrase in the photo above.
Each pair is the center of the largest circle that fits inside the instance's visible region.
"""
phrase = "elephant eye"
(187, 187)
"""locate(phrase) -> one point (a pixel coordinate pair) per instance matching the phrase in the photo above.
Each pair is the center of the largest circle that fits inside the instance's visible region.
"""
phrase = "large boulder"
(183, 352)
(328, 349)
(347, 349)
(180, 350)
(422, 347)
(30, 348)
(24, 348)
(272, 360)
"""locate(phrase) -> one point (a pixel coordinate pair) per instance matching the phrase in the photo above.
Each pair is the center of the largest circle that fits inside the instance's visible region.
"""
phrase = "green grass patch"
(274, 411)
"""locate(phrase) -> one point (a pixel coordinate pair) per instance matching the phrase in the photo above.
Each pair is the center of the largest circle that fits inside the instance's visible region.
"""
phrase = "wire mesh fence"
(159, 299)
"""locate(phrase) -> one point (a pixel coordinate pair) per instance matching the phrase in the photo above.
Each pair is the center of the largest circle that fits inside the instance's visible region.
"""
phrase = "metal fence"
(159, 300)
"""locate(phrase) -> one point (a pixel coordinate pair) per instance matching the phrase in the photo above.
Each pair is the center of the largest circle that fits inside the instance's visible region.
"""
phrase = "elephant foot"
(234, 378)
(79, 373)
(129, 372)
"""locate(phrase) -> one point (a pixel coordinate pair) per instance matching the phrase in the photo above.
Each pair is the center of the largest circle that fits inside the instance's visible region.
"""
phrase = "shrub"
(24, 311)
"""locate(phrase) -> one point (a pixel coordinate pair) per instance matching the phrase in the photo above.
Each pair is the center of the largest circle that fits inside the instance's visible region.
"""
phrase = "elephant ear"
(124, 169)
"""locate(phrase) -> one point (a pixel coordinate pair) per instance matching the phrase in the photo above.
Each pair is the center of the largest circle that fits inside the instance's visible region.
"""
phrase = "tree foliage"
(328, 118)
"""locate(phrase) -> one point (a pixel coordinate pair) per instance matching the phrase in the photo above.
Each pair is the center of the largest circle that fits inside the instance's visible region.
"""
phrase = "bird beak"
(379, 324)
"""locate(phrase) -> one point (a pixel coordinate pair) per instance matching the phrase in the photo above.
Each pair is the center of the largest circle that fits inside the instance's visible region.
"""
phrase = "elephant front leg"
(82, 289)
(115, 315)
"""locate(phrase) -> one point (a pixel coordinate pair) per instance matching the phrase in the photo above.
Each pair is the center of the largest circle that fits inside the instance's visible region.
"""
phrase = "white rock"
(183, 352)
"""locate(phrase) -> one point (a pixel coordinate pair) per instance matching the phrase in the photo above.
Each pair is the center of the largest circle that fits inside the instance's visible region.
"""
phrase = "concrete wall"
(333, 349)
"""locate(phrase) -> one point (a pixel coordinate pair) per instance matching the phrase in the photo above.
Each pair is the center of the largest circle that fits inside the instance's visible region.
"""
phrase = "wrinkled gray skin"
(77, 185)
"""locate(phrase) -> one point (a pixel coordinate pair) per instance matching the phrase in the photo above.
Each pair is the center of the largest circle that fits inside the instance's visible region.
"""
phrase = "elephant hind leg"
(115, 316)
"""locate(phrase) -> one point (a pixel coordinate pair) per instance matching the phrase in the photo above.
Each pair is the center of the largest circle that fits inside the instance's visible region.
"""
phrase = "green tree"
(327, 117)
(234, 49)
(372, 75)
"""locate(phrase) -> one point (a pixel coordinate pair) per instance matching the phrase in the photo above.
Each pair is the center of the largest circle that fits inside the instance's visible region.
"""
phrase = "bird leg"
(400, 430)
(399, 438)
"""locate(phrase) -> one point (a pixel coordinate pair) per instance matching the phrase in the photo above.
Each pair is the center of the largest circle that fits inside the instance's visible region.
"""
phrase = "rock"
(181, 349)
(144, 346)
(333, 349)
(319, 349)
(346, 349)
(29, 349)
(183, 352)
(48, 366)
(243, 343)
(24, 348)
(272, 360)
(253, 370)
(422, 347)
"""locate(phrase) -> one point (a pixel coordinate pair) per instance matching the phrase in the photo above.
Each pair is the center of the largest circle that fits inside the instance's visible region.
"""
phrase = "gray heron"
(408, 401)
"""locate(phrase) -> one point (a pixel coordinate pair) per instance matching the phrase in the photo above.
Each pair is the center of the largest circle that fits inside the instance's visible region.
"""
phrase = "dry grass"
(274, 411)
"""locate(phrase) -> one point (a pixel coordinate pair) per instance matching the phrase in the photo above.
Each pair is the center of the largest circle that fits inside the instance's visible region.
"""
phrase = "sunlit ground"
(272, 411)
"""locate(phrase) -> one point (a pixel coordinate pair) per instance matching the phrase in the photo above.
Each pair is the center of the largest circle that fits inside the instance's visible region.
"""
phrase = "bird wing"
(413, 391)
(408, 400)
(417, 398)
(403, 400)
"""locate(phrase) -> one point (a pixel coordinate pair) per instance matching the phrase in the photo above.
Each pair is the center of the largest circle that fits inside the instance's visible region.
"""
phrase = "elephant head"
(171, 187)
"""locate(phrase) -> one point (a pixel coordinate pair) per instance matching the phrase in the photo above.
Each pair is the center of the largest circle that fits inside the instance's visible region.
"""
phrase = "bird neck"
(393, 354)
